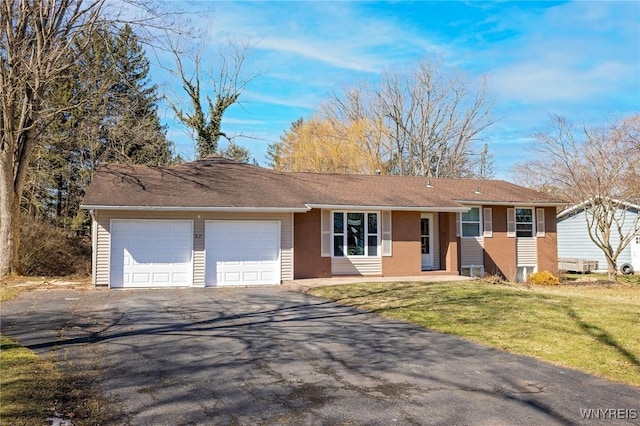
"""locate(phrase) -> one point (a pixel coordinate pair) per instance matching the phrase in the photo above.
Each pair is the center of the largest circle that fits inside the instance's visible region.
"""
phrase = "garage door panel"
(242, 252)
(151, 253)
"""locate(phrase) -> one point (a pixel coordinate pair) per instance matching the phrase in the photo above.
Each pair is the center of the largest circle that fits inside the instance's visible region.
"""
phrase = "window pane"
(355, 234)
(524, 230)
(472, 215)
(373, 223)
(424, 245)
(424, 226)
(470, 229)
(338, 225)
(338, 245)
(524, 215)
(373, 245)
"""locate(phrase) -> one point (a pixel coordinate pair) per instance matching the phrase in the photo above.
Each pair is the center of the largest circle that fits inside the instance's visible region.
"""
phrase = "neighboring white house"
(574, 241)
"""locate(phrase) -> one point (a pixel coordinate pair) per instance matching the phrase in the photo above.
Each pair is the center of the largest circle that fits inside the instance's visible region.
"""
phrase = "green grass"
(590, 328)
(33, 388)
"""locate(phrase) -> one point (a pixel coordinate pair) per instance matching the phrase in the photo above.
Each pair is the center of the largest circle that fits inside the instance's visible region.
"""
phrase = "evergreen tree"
(114, 119)
(236, 152)
(135, 134)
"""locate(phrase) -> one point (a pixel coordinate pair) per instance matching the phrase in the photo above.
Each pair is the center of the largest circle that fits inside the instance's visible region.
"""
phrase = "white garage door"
(151, 253)
(242, 252)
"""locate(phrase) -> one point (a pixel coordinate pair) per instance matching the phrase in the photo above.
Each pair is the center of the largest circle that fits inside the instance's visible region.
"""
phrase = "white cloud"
(542, 82)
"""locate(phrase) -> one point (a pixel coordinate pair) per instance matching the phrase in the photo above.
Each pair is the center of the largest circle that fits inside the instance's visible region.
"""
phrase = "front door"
(426, 241)
(635, 254)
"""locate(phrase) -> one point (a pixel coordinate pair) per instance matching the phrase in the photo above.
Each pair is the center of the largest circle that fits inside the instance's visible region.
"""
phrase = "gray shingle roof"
(224, 183)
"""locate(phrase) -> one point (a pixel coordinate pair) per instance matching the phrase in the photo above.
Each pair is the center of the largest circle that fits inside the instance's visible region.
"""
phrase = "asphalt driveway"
(277, 356)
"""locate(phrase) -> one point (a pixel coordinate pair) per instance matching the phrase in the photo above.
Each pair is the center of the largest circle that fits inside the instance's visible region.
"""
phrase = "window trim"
(479, 222)
(378, 234)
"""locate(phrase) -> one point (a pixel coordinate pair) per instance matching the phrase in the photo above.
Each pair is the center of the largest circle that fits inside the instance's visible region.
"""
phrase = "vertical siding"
(471, 251)
(103, 238)
(356, 266)
(526, 251)
(435, 236)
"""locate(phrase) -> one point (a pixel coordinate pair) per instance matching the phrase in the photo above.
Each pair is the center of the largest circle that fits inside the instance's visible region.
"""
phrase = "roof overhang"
(394, 208)
(582, 205)
(199, 209)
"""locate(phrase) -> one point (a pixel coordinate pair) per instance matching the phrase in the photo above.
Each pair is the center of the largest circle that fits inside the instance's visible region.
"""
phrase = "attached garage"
(151, 253)
(242, 252)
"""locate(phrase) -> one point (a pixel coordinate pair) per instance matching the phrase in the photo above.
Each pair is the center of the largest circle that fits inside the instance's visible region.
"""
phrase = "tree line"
(422, 122)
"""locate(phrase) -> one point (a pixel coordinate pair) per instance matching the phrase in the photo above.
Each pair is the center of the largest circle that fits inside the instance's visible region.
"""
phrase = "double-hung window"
(355, 234)
(524, 222)
(470, 223)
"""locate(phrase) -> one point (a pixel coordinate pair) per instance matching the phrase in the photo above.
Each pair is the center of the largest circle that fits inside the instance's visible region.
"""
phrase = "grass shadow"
(603, 337)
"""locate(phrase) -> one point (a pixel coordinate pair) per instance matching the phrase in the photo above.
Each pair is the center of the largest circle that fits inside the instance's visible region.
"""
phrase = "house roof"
(631, 204)
(222, 184)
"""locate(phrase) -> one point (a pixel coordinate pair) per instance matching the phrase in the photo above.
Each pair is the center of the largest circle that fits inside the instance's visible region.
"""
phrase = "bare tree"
(208, 102)
(425, 123)
(35, 38)
(596, 171)
(39, 42)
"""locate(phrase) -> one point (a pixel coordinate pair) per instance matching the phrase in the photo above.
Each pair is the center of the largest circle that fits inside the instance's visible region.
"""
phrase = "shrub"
(46, 250)
(545, 278)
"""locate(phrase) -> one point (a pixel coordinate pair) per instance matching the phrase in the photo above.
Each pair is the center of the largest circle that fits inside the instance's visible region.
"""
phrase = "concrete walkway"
(307, 284)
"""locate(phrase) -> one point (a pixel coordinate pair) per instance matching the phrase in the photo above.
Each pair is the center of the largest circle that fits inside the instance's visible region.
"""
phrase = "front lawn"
(591, 328)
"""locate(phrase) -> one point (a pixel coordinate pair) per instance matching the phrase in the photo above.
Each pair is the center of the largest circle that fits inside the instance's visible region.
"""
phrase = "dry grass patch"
(13, 286)
(33, 388)
(593, 329)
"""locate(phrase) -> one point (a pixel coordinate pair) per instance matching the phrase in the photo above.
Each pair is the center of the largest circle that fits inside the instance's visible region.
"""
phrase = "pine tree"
(135, 134)
(114, 119)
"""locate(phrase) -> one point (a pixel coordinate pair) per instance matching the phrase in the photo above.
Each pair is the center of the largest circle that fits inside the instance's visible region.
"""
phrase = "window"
(523, 272)
(355, 234)
(425, 236)
(524, 222)
(470, 223)
(472, 271)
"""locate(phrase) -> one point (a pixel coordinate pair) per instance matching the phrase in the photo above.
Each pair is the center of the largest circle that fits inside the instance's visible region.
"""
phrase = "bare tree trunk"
(612, 270)
(9, 226)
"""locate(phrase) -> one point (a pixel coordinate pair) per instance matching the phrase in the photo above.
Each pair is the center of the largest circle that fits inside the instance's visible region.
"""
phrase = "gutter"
(394, 208)
(199, 209)
(511, 203)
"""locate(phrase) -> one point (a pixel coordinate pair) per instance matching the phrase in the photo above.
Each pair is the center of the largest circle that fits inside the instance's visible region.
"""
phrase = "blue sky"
(578, 59)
